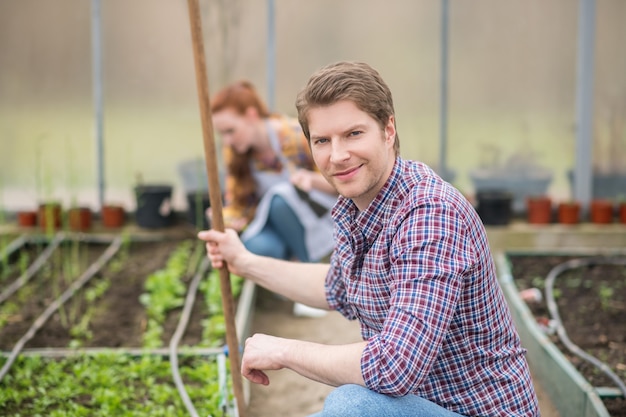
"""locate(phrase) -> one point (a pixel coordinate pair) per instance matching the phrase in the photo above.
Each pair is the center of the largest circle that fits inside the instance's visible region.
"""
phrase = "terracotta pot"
(49, 216)
(569, 212)
(79, 219)
(539, 209)
(621, 209)
(601, 211)
(113, 216)
(27, 218)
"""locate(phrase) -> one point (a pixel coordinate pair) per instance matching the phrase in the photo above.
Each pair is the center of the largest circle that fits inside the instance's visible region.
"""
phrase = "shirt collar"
(371, 221)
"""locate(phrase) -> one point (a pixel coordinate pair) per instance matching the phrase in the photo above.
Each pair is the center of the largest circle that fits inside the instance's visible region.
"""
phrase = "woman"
(274, 194)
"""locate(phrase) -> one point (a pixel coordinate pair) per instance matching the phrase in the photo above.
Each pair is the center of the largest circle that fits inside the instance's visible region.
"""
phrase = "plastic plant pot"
(49, 216)
(113, 216)
(539, 209)
(197, 205)
(154, 206)
(495, 207)
(601, 211)
(27, 218)
(80, 219)
(569, 212)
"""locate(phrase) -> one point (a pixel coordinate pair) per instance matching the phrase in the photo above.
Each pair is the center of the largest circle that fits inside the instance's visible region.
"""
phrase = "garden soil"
(119, 319)
(592, 305)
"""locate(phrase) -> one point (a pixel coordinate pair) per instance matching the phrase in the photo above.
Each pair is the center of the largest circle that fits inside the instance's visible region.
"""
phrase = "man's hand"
(261, 354)
(223, 247)
(329, 364)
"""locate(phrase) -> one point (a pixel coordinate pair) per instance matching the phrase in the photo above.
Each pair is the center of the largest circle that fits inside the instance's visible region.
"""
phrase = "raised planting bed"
(570, 310)
(113, 325)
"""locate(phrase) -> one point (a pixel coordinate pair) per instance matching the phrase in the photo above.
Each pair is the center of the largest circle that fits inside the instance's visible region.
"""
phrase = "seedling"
(165, 291)
(106, 385)
(605, 292)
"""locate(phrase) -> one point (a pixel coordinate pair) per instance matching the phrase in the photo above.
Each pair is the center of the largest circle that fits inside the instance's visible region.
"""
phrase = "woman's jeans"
(358, 401)
(282, 236)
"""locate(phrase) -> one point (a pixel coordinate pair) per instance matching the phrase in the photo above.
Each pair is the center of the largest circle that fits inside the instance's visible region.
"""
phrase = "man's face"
(351, 150)
(236, 130)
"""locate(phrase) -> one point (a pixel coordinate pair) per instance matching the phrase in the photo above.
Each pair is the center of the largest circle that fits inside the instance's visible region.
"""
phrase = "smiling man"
(411, 263)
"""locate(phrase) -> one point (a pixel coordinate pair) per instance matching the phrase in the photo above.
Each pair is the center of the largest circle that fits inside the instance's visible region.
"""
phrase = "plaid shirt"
(415, 269)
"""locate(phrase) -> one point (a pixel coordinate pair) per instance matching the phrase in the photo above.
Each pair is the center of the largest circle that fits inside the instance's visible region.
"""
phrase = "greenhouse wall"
(510, 105)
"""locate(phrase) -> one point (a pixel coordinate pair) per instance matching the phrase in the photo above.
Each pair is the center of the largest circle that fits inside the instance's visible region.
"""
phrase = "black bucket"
(197, 205)
(154, 206)
(495, 207)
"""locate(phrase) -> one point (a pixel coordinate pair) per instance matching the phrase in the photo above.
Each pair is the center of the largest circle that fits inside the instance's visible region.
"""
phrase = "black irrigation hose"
(56, 304)
(554, 312)
(33, 268)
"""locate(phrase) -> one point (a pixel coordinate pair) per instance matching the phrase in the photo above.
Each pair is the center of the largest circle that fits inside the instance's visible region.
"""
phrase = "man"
(411, 263)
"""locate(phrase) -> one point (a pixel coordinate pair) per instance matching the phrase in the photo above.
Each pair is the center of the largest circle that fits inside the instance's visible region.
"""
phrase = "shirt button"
(352, 277)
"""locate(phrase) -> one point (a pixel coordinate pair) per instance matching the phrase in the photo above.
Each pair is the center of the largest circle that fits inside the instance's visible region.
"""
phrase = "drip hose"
(554, 312)
(222, 372)
(180, 330)
(33, 268)
(13, 246)
(56, 304)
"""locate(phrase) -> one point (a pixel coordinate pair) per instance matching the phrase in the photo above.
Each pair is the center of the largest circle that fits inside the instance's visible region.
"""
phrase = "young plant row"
(11, 306)
(107, 385)
(64, 266)
(117, 384)
(164, 292)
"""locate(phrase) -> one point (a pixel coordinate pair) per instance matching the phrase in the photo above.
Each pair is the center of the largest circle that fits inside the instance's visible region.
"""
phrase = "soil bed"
(592, 305)
(119, 319)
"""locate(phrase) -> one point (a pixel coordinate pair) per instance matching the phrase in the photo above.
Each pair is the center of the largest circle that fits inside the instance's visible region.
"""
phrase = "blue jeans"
(357, 401)
(282, 236)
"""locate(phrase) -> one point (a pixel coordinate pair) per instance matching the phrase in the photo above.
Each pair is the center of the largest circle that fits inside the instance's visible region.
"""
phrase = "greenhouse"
(111, 163)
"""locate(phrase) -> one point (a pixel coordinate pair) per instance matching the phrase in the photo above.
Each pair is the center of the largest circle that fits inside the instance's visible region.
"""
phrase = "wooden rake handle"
(215, 196)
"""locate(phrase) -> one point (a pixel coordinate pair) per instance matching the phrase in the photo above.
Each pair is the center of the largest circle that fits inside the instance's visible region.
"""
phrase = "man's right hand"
(223, 247)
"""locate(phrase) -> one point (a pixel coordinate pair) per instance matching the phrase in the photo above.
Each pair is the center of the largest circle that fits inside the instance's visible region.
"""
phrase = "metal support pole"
(96, 62)
(584, 103)
(443, 121)
(271, 55)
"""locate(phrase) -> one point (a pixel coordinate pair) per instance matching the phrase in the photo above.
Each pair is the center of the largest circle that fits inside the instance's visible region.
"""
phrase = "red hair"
(240, 96)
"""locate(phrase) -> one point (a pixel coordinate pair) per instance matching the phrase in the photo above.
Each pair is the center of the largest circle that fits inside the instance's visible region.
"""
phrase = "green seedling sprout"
(80, 331)
(108, 384)
(538, 282)
(165, 291)
(605, 292)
